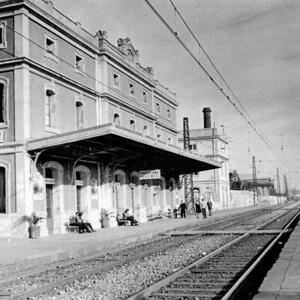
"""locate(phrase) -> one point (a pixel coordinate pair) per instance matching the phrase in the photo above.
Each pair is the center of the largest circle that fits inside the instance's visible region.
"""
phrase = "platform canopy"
(122, 147)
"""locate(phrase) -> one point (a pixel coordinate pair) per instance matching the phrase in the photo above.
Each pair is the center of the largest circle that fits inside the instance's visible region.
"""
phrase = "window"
(117, 119)
(3, 41)
(131, 89)
(3, 104)
(168, 113)
(50, 109)
(3, 196)
(79, 115)
(79, 63)
(157, 107)
(132, 125)
(170, 140)
(145, 97)
(145, 130)
(51, 47)
(193, 147)
(116, 80)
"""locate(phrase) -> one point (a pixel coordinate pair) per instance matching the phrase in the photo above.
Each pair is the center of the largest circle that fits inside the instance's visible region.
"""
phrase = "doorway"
(2, 190)
(49, 206)
(79, 191)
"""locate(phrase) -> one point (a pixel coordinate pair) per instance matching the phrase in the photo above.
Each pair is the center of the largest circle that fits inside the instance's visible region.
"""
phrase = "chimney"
(206, 115)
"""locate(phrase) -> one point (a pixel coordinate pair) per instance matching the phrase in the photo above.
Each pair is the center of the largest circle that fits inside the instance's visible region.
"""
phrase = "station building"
(212, 144)
(80, 118)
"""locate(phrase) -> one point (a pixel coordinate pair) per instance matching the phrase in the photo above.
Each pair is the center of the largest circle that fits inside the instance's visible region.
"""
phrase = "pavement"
(283, 280)
(21, 253)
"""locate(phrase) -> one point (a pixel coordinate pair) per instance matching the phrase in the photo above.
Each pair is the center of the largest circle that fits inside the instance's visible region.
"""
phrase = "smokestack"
(206, 115)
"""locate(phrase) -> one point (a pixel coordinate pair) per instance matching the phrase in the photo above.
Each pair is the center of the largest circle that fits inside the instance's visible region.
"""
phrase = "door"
(2, 191)
(49, 205)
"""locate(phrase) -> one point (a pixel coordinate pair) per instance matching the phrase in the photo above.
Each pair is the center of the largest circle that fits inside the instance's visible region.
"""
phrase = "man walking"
(203, 205)
(182, 208)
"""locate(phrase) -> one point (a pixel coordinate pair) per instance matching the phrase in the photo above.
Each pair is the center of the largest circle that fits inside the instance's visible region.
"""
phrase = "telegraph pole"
(254, 180)
(278, 181)
(286, 187)
(188, 178)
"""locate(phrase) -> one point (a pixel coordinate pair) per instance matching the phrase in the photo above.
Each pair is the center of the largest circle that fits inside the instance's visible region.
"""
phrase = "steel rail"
(114, 262)
(237, 284)
(156, 286)
(25, 273)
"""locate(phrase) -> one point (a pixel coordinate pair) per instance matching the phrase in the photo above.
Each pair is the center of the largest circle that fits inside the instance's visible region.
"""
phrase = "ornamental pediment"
(131, 54)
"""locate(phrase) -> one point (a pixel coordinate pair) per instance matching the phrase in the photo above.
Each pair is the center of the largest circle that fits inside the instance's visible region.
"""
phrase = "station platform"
(22, 253)
(283, 280)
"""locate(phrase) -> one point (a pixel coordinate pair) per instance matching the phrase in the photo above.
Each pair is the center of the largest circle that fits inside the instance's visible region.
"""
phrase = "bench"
(71, 225)
(122, 222)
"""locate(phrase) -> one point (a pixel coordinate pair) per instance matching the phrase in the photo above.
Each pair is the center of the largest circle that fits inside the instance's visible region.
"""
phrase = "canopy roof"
(119, 146)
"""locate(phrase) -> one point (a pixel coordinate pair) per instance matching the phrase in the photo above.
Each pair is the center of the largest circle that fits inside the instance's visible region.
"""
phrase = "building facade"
(79, 119)
(212, 144)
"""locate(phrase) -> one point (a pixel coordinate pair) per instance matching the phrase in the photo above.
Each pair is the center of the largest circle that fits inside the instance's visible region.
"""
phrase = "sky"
(255, 45)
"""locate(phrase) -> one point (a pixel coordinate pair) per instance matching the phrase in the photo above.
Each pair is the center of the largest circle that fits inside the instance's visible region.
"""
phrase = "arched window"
(3, 103)
(50, 109)
(117, 120)
(79, 115)
(132, 125)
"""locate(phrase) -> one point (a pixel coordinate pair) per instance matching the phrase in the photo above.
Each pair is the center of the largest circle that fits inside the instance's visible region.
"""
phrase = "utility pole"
(278, 181)
(188, 178)
(254, 180)
(286, 187)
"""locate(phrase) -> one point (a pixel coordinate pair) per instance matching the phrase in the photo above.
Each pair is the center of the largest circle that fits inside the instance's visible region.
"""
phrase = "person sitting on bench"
(128, 216)
(82, 224)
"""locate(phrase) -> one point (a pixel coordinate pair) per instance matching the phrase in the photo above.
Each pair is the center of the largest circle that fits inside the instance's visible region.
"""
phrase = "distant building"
(265, 186)
(80, 118)
(212, 144)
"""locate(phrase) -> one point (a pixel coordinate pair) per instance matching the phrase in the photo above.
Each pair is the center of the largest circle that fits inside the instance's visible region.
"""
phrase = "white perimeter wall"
(245, 198)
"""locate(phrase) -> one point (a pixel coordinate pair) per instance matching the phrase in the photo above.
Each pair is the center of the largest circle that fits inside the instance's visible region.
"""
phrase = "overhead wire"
(176, 35)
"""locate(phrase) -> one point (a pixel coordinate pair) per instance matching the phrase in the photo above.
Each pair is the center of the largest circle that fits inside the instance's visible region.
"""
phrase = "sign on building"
(149, 174)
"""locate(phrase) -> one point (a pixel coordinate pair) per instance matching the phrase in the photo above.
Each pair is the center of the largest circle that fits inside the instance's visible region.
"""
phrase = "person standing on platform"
(182, 208)
(197, 209)
(209, 206)
(203, 205)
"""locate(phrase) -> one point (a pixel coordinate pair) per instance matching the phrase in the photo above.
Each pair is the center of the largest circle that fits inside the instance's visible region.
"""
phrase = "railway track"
(221, 274)
(33, 285)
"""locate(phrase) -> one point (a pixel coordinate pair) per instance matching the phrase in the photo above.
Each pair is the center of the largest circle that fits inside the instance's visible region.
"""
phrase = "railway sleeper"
(182, 294)
(198, 286)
